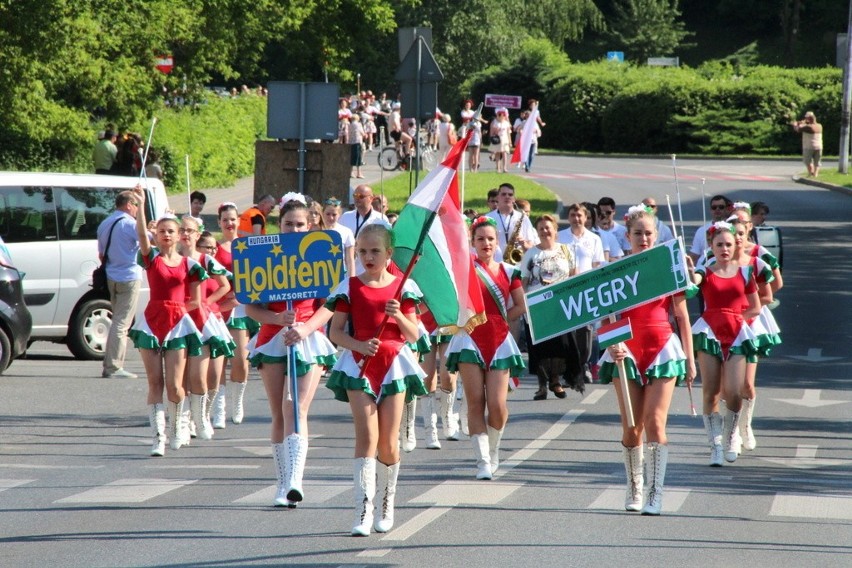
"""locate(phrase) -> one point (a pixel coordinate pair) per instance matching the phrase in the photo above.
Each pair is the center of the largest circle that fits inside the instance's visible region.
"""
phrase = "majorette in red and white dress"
(268, 345)
(165, 323)
(653, 352)
(394, 369)
(721, 331)
(764, 325)
(207, 317)
(235, 318)
(490, 345)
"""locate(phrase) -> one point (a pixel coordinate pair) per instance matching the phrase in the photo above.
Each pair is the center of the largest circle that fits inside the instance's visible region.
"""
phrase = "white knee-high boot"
(746, 414)
(658, 459)
(386, 492)
(494, 437)
(633, 466)
(365, 490)
(483, 459)
(297, 453)
(430, 421)
(175, 418)
(449, 418)
(731, 433)
(238, 391)
(409, 413)
(197, 403)
(279, 455)
(713, 427)
(217, 410)
(157, 418)
(208, 407)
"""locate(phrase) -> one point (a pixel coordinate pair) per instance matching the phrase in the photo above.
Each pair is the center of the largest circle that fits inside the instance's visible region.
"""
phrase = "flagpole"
(677, 190)
(625, 391)
(147, 147)
(188, 191)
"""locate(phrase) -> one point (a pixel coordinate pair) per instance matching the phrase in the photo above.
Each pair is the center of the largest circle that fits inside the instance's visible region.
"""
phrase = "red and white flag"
(522, 148)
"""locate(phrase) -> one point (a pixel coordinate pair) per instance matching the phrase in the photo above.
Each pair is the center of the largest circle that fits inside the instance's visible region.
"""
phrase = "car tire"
(5, 351)
(89, 328)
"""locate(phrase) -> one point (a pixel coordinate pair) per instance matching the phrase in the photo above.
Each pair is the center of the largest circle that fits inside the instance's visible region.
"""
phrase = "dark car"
(15, 320)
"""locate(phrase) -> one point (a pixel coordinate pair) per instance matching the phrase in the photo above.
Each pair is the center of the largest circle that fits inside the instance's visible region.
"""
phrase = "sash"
(492, 286)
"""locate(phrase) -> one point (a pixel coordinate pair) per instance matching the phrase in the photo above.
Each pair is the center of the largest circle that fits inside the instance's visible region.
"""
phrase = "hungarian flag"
(616, 332)
(522, 149)
(432, 225)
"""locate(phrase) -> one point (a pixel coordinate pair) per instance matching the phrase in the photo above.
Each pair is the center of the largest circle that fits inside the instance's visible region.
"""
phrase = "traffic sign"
(508, 101)
(632, 281)
(165, 63)
(419, 55)
(287, 266)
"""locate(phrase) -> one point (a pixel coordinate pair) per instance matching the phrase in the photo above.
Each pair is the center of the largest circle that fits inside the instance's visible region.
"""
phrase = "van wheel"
(5, 351)
(87, 334)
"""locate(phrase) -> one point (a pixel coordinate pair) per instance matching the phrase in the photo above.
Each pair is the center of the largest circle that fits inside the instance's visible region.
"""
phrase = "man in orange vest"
(253, 219)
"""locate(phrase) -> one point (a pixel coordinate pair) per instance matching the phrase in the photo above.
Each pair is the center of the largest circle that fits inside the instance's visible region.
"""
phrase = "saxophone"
(514, 253)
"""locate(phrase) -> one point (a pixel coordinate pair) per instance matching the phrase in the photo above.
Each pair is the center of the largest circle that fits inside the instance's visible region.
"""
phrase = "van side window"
(81, 209)
(27, 215)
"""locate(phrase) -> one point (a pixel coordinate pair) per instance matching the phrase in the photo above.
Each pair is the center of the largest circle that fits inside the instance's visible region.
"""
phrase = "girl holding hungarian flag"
(487, 356)
(654, 362)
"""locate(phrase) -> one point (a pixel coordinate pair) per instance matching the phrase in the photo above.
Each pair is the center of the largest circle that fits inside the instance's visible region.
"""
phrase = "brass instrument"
(514, 252)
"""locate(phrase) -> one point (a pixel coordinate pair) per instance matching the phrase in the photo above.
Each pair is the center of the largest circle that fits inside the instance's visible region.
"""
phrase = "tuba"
(514, 252)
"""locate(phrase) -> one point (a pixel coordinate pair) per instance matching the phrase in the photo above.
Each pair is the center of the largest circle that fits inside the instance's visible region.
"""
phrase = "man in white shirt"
(663, 232)
(607, 223)
(507, 218)
(586, 246)
(720, 207)
(361, 216)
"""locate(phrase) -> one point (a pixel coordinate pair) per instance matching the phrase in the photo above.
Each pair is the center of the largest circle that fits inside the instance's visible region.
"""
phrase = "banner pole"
(625, 391)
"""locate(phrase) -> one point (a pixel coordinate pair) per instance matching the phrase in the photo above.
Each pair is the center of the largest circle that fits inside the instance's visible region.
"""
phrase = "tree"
(648, 28)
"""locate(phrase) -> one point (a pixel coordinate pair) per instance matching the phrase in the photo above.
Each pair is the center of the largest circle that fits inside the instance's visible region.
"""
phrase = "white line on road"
(594, 396)
(128, 491)
(200, 466)
(612, 499)
(812, 506)
(40, 466)
(10, 483)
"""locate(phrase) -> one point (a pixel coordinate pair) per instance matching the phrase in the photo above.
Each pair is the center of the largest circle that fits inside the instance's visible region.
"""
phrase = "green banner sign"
(632, 281)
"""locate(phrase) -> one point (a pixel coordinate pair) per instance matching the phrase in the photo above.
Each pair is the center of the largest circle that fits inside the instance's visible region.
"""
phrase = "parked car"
(15, 320)
(49, 222)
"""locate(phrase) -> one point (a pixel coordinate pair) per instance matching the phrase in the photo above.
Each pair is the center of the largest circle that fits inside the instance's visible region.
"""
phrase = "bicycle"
(392, 158)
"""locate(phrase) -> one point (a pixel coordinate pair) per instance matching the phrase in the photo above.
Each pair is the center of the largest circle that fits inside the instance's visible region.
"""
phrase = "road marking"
(812, 506)
(451, 493)
(375, 552)
(814, 356)
(11, 483)
(612, 498)
(201, 466)
(263, 451)
(810, 399)
(594, 396)
(128, 491)
(40, 466)
(805, 458)
(315, 492)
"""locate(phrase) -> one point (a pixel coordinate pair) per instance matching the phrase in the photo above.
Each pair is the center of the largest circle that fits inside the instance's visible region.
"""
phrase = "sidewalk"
(242, 192)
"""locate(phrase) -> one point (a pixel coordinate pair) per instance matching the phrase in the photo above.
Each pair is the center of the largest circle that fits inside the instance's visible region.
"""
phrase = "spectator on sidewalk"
(104, 153)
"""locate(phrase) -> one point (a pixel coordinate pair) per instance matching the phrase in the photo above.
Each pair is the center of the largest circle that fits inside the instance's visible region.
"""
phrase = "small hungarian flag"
(615, 332)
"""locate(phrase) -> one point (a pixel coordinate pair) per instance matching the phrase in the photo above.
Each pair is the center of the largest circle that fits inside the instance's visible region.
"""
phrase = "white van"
(49, 222)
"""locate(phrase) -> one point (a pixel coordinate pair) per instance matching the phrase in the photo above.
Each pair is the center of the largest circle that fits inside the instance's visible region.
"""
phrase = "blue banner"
(291, 266)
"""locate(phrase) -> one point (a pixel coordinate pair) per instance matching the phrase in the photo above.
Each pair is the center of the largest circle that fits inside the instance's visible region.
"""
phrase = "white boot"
(494, 437)
(449, 419)
(409, 413)
(732, 428)
(297, 453)
(217, 410)
(462, 416)
(197, 402)
(187, 426)
(208, 408)
(656, 463)
(238, 391)
(633, 466)
(483, 459)
(175, 419)
(157, 418)
(365, 490)
(713, 427)
(430, 422)
(746, 433)
(386, 491)
(279, 455)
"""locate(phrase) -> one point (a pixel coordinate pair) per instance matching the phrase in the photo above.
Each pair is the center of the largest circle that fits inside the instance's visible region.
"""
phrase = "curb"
(823, 185)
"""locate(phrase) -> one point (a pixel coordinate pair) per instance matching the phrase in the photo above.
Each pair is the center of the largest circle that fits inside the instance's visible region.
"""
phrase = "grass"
(832, 176)
(476, 186)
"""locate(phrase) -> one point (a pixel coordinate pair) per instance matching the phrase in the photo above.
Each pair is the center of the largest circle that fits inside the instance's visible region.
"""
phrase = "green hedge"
(715, 109)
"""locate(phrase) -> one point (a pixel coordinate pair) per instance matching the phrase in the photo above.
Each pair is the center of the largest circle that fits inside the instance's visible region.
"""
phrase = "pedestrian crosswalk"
(661, 177)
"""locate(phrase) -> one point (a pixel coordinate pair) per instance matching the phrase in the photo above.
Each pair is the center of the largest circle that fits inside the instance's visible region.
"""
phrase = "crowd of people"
(198, 342)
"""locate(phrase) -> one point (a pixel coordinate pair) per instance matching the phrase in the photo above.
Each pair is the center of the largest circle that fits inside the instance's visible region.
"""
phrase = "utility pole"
(843, 164)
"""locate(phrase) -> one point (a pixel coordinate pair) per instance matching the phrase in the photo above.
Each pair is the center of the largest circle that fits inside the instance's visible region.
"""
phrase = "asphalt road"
(77, 487)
